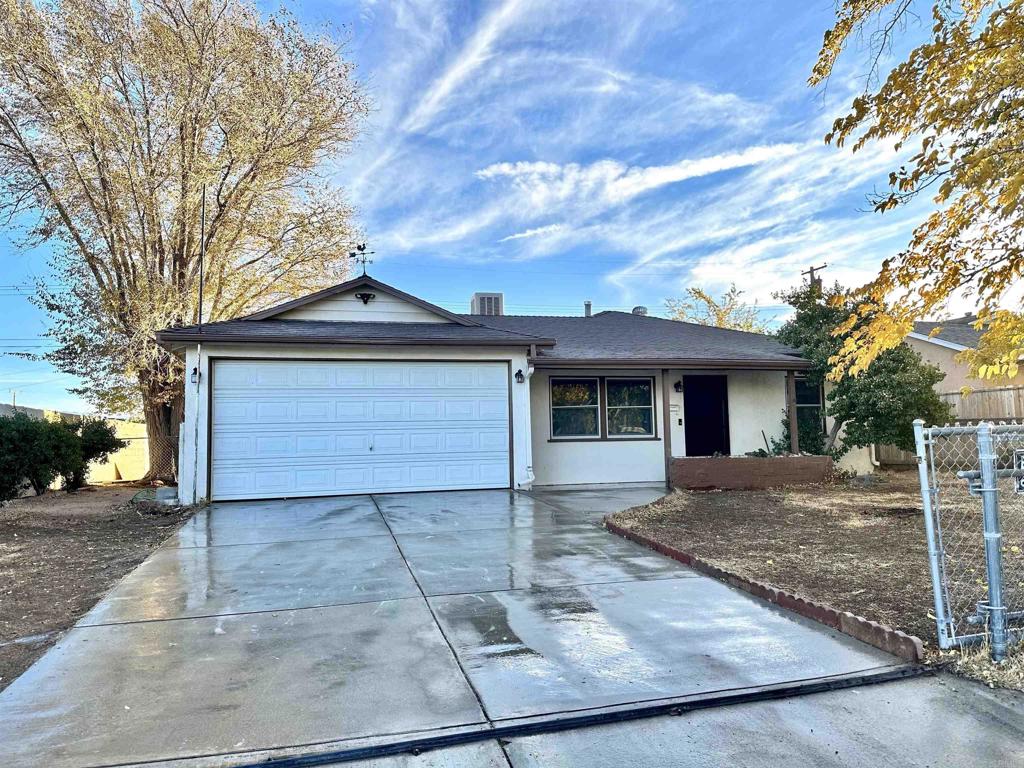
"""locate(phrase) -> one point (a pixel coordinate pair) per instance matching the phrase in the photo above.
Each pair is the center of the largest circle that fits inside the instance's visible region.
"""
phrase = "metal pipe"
(981, 618)
(974, 474)
(993, 540)
(934, 551)
(996, 429)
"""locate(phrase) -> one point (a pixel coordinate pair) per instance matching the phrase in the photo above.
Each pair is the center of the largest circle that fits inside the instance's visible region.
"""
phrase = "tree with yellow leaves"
(702, 308)
(958, 99)
(114, 116)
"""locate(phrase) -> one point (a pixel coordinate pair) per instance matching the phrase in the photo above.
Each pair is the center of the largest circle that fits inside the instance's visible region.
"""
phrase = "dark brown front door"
(706, 415)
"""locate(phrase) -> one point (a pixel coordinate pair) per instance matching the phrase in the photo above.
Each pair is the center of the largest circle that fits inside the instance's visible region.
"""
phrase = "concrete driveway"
(268, 628)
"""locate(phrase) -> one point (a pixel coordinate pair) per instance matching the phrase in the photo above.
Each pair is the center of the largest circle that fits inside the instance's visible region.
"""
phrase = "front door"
(706, 415)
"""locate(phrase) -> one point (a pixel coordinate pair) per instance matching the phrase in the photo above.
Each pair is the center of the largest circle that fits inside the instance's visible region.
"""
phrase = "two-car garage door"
(283, 428)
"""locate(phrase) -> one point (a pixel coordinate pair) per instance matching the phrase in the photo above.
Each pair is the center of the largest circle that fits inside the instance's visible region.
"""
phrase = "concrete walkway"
(266, 628)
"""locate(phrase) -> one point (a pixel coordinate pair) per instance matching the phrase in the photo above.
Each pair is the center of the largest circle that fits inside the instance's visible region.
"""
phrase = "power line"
(24, 385)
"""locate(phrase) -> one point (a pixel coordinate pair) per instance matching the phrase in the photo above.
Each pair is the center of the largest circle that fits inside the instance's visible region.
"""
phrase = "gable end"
(340, 303)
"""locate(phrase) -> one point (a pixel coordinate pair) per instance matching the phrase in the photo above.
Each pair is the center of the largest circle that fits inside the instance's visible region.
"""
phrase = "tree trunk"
(833, 435)
(162, 404)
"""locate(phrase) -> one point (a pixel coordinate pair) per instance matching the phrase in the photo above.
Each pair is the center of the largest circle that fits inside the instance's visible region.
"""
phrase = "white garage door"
(292, 428)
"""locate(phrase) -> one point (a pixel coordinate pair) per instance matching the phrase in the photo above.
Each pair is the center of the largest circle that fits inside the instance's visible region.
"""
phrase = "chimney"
(642, 311)
(586, 309)
(487, 304)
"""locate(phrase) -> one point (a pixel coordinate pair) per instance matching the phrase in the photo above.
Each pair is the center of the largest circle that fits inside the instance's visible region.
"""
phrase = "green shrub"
(15, 432)
(54, 450)
(35, 452)
(96, 440)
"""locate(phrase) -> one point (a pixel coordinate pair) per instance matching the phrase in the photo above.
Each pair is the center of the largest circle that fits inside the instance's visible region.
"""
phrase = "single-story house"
(940, 343)
(364, 388)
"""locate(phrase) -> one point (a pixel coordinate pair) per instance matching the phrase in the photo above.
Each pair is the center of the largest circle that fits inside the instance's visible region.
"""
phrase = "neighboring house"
(363, 388)
(941, 349)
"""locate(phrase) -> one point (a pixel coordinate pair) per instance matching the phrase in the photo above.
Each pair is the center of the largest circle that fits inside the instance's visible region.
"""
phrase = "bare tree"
(729, 312)
(114, 115)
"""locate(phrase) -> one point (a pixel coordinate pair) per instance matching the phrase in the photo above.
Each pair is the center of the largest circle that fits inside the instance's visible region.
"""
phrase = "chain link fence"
(134, 461)
(972, 486)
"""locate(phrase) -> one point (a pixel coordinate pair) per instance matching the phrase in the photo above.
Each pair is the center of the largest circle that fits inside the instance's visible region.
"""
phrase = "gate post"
(993, 540)
(934, 554)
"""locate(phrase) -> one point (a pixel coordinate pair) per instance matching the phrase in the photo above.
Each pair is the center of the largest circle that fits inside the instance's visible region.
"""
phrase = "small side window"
(810, 408)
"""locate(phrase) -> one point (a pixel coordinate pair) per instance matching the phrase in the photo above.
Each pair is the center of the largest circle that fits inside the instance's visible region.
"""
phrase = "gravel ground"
(59, 554)
(858, 548)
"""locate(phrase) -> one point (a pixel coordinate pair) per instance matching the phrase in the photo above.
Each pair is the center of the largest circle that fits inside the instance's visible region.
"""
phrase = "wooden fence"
(999, 404)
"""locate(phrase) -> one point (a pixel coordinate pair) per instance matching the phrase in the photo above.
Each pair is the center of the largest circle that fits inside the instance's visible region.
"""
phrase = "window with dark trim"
(810, 403)
(603, 408)
(575, 408)
(630, 407)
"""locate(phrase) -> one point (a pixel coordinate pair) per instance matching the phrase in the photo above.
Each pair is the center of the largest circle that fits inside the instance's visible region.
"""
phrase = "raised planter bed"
(748, 472)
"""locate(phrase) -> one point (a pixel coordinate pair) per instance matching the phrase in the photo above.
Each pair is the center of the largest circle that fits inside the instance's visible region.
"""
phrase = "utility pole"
(14, 399)
(202, 254)
(811, 272)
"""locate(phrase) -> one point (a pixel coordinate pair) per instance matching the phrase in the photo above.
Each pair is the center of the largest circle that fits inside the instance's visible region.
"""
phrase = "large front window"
(575, 408)
(630, 407)
(602, 408)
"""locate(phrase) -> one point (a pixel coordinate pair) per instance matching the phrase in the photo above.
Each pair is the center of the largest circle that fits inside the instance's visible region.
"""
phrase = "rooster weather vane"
(361, 255)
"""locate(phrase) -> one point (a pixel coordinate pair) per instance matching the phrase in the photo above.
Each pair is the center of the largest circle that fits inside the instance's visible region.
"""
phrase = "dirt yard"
(59, 553)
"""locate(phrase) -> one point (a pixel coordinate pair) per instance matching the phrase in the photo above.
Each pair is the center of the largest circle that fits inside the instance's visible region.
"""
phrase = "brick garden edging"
(907, 647)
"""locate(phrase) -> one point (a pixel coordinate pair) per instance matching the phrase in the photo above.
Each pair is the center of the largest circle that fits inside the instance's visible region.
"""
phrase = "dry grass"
(977, 663)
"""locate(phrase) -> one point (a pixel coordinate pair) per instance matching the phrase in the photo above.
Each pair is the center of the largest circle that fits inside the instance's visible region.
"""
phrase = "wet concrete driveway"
(275, 625)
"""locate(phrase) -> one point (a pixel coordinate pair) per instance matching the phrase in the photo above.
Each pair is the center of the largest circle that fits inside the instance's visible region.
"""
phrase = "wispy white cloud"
(535, 232)
(544, 184)
(476, 51)
(760, 230)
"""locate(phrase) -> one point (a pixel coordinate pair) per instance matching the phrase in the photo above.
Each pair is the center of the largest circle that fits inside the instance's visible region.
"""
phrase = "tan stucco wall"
(131, 462)
(957, 373)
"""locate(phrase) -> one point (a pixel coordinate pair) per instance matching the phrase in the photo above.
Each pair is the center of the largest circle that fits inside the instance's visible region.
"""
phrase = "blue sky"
(617, 151)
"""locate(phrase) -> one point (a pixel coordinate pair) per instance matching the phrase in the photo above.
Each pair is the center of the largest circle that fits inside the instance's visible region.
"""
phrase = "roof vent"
(640, 311)
(488, 304)
(587, 309)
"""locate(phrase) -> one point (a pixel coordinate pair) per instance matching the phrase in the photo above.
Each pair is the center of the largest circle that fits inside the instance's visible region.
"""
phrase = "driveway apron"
(295, 624)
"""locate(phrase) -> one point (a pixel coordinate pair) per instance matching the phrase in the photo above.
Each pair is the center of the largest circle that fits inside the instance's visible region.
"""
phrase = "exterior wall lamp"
(520, 378)
(196, 375)
(678, 386)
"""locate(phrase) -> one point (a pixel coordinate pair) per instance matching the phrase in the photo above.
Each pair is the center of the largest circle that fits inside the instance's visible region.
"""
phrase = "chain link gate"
(972, 488)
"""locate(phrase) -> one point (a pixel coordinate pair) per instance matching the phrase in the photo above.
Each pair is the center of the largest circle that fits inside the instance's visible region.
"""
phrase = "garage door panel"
(408, 445)
(285, 428)
(313, 410)
(314, 445)
(313, 376)
(493, 472)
